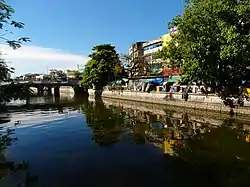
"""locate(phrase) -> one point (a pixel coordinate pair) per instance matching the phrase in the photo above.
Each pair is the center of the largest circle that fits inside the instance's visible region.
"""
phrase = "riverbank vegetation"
(9, 92)
(212, 45)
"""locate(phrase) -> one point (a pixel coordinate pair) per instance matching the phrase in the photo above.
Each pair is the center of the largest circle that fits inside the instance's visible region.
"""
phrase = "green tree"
(78, 75)
(12, 91)
(103, 67)
(212, 44)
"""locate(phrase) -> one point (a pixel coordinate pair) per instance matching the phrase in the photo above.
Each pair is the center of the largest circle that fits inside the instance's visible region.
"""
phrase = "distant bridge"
(44, 85)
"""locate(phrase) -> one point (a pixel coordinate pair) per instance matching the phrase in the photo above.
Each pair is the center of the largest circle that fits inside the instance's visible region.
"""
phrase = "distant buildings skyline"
(147, 50)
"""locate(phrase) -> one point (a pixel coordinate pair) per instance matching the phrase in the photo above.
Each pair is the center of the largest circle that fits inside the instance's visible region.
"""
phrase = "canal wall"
(169, 110)
(195, 102)
(160, 110)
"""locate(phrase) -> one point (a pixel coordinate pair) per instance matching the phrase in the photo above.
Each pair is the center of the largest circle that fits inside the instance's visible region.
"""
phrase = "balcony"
(154, 50)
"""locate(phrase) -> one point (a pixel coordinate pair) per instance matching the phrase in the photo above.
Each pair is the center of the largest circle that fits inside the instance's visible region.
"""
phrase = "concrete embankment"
(202, 103)
(195, 102)
(174, 112)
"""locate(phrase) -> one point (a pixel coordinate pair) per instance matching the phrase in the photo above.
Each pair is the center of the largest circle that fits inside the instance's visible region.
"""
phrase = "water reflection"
(215, 154)
(10, 168)
(115, 144)
(104, 122)
(219, 156)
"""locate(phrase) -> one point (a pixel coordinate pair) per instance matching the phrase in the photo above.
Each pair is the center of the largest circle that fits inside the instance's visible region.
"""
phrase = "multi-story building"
(147, 53)
(136, 50)
(150, 49)
(135, 56)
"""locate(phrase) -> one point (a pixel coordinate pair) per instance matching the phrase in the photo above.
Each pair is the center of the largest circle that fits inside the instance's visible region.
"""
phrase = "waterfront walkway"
(195, 101)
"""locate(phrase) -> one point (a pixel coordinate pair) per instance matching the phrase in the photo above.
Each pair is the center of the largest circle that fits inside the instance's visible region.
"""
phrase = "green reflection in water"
(219, 156)
(216, 155)
(104, 122)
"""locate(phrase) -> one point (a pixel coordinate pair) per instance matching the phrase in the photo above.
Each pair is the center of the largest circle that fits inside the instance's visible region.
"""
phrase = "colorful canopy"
(174, 79)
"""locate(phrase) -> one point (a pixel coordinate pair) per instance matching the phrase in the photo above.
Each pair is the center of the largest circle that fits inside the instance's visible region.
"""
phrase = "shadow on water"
(196, 154)
(9, 168)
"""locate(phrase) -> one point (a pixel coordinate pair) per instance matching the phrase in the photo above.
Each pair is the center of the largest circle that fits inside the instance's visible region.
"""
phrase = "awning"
(147, 80)
(174, 79)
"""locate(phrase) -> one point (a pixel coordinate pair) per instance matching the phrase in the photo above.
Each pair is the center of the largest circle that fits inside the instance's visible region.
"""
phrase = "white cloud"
(35, 59)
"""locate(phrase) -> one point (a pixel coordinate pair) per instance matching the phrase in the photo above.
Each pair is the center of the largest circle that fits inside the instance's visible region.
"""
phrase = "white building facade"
(150, 50)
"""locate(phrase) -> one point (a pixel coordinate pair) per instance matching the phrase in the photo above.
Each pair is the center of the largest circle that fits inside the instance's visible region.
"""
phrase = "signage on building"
(168, 72)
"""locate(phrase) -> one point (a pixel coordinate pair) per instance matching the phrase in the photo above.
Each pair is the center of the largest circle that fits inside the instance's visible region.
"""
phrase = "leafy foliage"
(6, 139)
(104, 67)
(11, 91)
(5, 71)
(212, 44)
(78, 75)
(6, 13)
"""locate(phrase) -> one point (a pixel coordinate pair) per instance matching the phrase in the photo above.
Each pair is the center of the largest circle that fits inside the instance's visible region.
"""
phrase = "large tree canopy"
(103, 67)
(212, 43)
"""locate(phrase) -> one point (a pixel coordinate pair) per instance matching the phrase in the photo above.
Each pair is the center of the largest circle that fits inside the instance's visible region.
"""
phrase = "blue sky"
(72, 27)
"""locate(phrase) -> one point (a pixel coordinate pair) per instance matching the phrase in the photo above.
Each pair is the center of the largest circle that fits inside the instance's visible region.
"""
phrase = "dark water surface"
(100, 143)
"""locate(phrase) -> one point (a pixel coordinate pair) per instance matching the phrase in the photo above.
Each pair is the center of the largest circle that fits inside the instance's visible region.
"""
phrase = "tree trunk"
(98, 93)
(98, 90)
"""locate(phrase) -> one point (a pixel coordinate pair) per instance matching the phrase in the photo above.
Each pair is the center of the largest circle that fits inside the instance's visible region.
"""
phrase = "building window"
(152, 46)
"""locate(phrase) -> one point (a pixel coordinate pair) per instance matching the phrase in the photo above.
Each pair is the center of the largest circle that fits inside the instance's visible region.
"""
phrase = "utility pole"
(47, 69)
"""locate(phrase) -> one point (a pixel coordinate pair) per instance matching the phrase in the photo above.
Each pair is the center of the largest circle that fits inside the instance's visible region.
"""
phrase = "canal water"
(73, 143)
